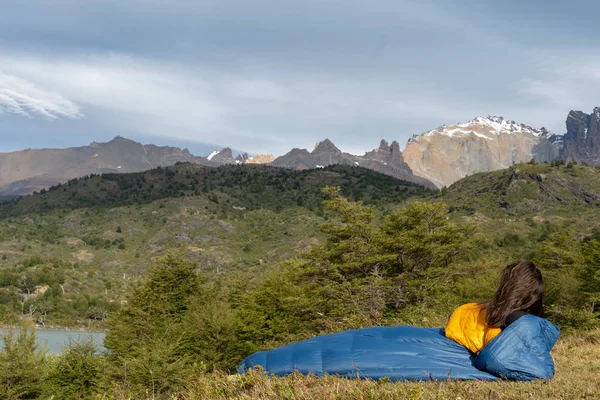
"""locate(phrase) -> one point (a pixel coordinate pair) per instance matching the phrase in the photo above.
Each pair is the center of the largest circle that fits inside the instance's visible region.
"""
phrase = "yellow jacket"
(468, 326)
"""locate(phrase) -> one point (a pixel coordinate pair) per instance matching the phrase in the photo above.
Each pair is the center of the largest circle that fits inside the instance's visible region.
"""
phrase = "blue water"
(56, 341)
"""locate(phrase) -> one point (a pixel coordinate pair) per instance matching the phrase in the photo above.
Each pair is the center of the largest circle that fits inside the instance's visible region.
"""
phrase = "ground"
(577, 377)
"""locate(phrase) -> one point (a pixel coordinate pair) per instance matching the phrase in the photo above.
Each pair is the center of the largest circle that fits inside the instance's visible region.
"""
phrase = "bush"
(22, 365)
(151, 347)
(76, 372)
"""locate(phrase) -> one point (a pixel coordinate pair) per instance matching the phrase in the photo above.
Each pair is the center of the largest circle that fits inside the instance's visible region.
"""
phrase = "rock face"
(581, 143)
(260, 159)
(451, 152)
(385, 159)
(224, 156)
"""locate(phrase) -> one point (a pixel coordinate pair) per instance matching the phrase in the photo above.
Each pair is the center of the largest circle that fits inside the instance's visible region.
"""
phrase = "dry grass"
(577, 377)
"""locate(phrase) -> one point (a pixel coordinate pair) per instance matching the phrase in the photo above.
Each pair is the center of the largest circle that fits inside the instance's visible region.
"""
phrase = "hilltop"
(81, 246)
(524, 190)
(249, 186)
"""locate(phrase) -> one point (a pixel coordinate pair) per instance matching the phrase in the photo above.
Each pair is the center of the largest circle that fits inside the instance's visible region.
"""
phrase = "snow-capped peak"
(485, 127)
(211, 155)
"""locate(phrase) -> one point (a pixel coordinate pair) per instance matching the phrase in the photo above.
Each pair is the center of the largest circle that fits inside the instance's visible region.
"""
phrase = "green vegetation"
(27, 372)
(253, 187)
(69, 256)
(189, 281)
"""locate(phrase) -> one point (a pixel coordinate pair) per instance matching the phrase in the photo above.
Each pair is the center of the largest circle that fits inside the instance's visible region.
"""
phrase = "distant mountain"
(451, 152)
(434, 159)
(224, 156)
(385, 159)
(26, 171)
(581, 143)
(23, 172)
(258, 159)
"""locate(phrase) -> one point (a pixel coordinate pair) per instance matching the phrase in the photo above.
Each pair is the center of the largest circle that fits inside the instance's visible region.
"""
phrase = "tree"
(22, 365)
(159, 301)
(364, 273)
(148, 337)
(76, 372)
(591, 273)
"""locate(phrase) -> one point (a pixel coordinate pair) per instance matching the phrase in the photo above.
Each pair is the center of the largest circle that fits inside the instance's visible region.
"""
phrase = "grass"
(577, 360)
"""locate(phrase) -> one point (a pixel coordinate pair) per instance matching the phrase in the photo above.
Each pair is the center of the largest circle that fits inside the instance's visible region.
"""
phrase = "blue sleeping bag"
(521, 351)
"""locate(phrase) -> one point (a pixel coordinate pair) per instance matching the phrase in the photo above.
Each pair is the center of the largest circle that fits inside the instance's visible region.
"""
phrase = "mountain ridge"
(451, 152)
(434, 158)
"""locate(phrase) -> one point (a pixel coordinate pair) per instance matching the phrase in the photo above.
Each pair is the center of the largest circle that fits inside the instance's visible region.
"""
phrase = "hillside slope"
(529, 189)
(73, 253)
(249, 186)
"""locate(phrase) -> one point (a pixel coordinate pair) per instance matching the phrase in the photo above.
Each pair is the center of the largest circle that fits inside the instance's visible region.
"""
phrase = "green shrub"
(22, 365)
(75, 373)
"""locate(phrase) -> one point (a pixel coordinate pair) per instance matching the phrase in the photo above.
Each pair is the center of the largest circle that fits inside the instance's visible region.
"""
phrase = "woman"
(519, 293)
(522, 352)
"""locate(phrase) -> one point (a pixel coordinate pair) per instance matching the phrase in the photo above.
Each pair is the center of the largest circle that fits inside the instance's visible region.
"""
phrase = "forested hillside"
(249, 186)
(71, 254)
(191, 270)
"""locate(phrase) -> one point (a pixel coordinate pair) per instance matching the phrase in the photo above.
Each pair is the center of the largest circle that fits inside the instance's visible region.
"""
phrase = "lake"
(56, 341)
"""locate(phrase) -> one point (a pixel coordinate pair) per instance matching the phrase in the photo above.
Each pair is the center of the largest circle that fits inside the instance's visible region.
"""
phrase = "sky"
(267, 76)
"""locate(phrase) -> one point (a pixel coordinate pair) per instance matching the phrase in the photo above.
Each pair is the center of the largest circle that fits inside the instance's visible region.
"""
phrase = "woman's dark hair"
(521, 289)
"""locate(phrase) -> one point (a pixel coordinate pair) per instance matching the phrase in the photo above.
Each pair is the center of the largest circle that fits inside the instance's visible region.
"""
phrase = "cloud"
(18, 96)
(267, 76)
(245, 110)
(567, 85)
(259, 109)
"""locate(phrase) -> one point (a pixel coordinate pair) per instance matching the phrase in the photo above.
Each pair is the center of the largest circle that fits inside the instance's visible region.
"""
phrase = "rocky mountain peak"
(581, 143)
(484, 127)
(241, 158)
(576, 119)
(260, 159)
(325, 146)
(451, 152)
(121, 140)
(224, 156)
(383, 145)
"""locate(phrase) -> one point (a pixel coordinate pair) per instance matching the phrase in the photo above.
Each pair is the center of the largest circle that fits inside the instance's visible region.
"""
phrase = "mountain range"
(435, 158)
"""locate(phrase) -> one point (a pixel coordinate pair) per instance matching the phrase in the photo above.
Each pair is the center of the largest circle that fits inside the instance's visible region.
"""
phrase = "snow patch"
(356, 162)
(119, 167)
(319, 166)
(485, 127)
(211, 155)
